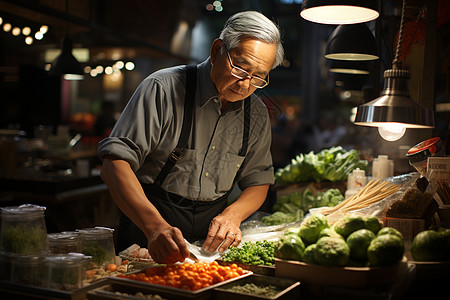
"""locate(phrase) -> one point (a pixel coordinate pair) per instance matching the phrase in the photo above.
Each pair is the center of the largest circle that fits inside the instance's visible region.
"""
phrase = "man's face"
(254, 56)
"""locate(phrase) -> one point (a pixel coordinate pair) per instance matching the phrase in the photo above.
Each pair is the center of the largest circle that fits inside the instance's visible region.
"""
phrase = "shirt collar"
(207, 88)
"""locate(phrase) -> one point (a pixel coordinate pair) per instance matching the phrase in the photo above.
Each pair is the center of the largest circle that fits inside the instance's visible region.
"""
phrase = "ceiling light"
(339, 12)
(66, 63)
(352, 42)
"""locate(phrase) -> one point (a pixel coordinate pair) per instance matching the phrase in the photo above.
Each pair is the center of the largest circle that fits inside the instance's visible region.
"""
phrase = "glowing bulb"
(38, 35)
(7, 27)
(28, 40)
(26, 31)
(16, 31)
(392, 131)
(43, 29)
(129, 66)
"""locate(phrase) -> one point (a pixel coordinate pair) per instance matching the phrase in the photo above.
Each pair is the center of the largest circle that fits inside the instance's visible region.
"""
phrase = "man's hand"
(166, 245)
(224, 232)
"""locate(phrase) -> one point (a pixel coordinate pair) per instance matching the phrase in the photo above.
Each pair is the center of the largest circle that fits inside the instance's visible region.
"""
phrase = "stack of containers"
(30, 256)
(23, 244)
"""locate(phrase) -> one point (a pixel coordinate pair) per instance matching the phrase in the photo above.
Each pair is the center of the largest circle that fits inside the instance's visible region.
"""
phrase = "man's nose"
(244, 82)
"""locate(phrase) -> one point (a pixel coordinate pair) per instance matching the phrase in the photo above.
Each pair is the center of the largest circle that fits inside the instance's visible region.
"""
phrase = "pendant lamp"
(394, 110)
(66, 64)
(352, 42)
(337, 12)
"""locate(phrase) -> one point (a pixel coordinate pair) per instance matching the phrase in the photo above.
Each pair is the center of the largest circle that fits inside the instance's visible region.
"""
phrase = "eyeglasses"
(242, 74)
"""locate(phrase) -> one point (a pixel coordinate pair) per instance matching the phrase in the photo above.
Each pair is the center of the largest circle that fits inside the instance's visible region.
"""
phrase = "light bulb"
(392, 131)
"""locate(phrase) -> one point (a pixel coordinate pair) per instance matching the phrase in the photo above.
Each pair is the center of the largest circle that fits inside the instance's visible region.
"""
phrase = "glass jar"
(98, 243)
(64, 242)
(65, 271)
(29, 270)
(23, 230)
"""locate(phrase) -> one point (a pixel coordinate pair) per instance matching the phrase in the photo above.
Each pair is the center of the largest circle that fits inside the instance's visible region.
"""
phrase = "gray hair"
(254, 25)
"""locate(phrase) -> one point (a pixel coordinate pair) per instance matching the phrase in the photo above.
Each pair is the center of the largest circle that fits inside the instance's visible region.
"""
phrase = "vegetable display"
(349, 242)
(334, 164)
(255, 289)
(252, 253)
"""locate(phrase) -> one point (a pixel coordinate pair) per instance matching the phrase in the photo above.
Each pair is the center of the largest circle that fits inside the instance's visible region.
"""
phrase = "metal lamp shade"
(339, 12)
(66, 63)
(352, 42)
(395, 105)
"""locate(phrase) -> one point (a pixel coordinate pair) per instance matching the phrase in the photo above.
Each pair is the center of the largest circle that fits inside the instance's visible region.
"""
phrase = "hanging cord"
(397, 63)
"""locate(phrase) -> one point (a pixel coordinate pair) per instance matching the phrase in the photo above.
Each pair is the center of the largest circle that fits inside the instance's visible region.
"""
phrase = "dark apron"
(190, 216)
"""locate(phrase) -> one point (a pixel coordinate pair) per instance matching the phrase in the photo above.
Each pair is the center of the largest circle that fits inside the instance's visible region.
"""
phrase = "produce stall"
(385, 239)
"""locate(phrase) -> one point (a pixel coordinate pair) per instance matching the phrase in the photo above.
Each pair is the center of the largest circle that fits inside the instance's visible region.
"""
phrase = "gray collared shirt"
(149, 127)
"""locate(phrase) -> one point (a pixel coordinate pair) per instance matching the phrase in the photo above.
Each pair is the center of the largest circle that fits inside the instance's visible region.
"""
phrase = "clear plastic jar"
(65, 271)
(23, 230)
(29, 270)
(64, 242)
(98, 243)
(418, 155)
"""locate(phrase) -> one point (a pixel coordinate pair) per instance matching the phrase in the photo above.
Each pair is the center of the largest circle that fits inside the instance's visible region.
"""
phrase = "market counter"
(71, 201)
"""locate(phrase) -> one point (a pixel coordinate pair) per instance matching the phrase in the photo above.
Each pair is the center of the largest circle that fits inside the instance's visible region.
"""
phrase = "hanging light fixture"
(352, 42)
(394, 110)
(66, 64)
(339, 12)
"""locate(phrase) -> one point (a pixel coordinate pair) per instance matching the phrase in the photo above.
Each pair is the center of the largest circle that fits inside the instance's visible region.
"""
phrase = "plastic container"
(356, 180)
(29, 270)
(419, 154)
(64, 242)
(65, 271)
(98, 243)
(23, 230)
(382, 167)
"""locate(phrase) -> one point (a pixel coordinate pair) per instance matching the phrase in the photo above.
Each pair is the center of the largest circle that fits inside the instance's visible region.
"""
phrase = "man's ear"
(215, 49)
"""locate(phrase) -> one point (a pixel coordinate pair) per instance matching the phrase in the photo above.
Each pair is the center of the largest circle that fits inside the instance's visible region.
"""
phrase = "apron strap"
(189, 107)
(245, 136)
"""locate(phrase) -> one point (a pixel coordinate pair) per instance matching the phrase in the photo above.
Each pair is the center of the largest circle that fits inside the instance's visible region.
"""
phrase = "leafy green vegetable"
(290, 247)
(252, 253)
(293, 207)
(334, 164)
(24, 239)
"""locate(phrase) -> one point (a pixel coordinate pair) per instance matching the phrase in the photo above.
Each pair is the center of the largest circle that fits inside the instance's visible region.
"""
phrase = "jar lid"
(63, 237)
(66, 259)
(23, 209)
(96, 232)
(425, 149)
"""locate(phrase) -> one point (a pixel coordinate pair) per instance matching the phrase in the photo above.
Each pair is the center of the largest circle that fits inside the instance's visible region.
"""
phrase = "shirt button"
(238, 166)
(206, 174)
(213, 147)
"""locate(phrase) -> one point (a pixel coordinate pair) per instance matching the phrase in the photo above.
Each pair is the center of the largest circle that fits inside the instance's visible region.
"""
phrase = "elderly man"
(188, 134)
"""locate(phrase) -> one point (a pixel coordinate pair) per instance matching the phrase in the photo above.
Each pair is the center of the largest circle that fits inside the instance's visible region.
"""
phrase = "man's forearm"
(248, 202)
(128, 194)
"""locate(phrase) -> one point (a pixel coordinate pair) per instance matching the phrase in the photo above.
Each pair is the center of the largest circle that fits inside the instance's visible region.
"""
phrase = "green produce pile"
(431, 245)
(293, 207)
(334, 164)
(252, 253)
(351, 241)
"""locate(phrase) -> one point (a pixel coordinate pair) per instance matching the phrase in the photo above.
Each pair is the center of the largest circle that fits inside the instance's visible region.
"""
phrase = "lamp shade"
(395, 105)
(349, 67)
(339, 11)
(66, 63)
(352, 42)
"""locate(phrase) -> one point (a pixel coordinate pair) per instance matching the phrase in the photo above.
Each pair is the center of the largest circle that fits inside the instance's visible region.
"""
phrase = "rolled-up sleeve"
(138, 129)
